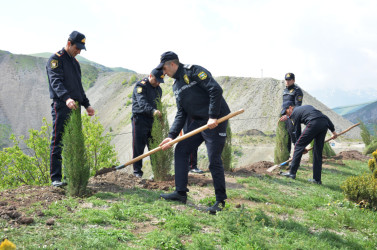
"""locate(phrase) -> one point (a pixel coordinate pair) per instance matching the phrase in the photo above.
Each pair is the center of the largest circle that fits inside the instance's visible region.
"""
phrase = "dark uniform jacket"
(197, 95)
(293, 94)
(144, 98)
(64, 76)
(305, 114)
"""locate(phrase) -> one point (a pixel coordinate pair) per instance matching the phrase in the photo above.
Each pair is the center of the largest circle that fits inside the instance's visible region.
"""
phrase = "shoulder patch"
(139, 90)
(187, 66)
(187, 80)
(54, 64)
(59, 53)
(202, 75)
(299, 98)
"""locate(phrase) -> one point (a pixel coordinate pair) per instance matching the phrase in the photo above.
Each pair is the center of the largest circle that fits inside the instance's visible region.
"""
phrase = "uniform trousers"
(215, 141)
(315, 129)
(141, 133)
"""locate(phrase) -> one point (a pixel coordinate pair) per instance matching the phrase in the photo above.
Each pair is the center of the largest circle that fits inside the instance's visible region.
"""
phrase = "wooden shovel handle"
(180, 138)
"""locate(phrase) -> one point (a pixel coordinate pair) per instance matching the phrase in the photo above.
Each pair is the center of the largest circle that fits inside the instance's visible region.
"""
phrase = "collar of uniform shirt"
(179, 71)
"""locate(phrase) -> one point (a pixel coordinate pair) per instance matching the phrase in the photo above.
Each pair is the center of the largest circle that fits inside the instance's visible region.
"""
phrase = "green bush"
(364, 133)
(161, 161)
(76, 165)
(363, 189)
(227, 154)
(5, 131)
(371, 147)
(132, 80)
(281, 153)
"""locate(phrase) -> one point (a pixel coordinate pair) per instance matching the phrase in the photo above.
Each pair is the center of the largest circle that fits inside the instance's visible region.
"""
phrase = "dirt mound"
(257, 168)
(14, 201)
(351, 155)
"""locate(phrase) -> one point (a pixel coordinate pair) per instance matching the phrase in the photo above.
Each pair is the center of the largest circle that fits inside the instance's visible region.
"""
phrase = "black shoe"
(217, 207)
(138, 175)
(315, 181)
(175, 196)
(58, 184)
(196, 171)
(288, 174)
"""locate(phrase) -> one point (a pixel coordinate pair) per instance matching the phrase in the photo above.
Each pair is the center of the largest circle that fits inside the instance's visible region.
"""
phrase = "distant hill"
(344, 110)
(367, 114)
(82, 59)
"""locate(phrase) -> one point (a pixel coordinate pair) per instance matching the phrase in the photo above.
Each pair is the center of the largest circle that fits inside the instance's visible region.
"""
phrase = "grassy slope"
(276, 213)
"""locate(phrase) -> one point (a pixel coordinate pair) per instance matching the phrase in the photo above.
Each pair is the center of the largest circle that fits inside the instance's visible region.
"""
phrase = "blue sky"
(330, 45)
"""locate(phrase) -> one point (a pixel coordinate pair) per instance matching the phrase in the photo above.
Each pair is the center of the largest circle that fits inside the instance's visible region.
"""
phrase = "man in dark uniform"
(316, 128)
(198, 96)
(292, 93)
(64, 76)
(144, 108)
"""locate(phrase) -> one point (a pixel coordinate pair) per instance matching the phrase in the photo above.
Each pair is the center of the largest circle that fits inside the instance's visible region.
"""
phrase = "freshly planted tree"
(77, 169)
(226, 155)
(327, 151)
(161, 161)
(365, 135)
(281, 153)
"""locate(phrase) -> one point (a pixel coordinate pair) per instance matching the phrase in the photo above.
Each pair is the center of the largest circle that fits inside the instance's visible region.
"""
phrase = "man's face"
(73, 50)
(169, 69)
(289, 82)
(153, 81)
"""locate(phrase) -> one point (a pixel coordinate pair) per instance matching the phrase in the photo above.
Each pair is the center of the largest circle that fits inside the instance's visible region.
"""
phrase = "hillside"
(344, 110)
(24, 101)
(367, 114)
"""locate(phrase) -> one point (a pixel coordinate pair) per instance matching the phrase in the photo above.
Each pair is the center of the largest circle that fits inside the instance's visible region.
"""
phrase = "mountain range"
(24, 99)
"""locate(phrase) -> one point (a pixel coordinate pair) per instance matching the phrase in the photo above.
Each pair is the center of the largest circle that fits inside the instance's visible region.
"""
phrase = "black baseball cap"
(78, 39)
(285, 106)
(167, 56)
(289, 76)
(158, 74)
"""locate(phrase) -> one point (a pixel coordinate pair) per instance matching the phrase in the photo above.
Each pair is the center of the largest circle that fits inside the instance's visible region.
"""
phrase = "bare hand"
(158, 113)
(283, 118)
(71, 104)
(90, 111)
(305, 151)
(212, 123)
(334, 135)
(165, 143)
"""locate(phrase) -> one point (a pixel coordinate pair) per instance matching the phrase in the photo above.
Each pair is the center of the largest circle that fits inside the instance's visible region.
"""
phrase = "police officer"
(316, 128)
(144, 108)
(292, 93)
(64, 76)
(199, 96)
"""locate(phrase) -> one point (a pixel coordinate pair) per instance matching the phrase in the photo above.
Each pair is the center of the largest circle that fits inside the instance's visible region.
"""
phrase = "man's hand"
(334, 135)
(283, 118)
(165, 143)
(71, 104)
(90, 111)
(212, 123)
(157, 113)
(305, 151)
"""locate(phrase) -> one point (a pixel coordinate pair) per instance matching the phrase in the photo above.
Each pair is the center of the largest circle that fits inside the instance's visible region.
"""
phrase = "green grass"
(276, 213)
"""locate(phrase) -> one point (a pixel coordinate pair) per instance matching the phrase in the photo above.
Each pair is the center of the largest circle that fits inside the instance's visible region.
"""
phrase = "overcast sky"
(331, 46)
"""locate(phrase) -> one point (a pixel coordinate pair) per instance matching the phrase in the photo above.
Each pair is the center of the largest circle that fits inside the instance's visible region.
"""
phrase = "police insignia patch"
(299, 98)
(187, 80)
(83, 40)
(142, 82)
(291, 91)
(202, 75)
(139, 90)
(54, 64)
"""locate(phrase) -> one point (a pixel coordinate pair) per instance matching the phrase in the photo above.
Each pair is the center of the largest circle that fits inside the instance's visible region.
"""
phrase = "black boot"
(315, 181)
(288, 174)
(217, 207)
(175, 196)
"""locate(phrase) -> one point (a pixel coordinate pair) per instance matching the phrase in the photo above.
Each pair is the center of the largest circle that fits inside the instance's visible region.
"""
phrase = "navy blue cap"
(289, 76)
(78, 39)
(167, 56)
(285, 106)
(158, 74)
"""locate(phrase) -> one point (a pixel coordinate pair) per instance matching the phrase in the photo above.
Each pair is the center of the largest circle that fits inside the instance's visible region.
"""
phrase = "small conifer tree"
(161, 161)
(77, 168)
(281, 153)
(365, 134)
(226, 155)
(326, 152)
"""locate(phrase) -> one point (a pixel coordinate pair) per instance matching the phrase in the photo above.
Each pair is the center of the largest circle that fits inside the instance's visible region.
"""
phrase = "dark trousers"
(60, 114)
(291, 134)
(316, 130)
(215, 141)
(193, 159)
(141, 133)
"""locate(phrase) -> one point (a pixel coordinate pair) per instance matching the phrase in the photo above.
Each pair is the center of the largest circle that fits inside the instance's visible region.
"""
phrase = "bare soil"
(15, 203)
